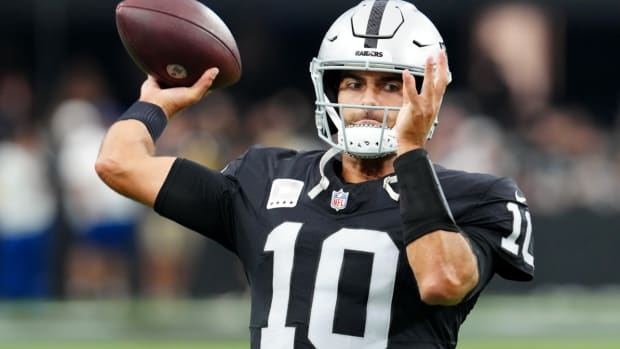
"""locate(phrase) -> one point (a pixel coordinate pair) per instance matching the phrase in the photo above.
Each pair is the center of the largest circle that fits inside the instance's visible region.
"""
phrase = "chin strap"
(331, 112)
(324, 182)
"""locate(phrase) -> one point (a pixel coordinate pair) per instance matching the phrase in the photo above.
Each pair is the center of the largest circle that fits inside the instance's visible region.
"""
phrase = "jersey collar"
(329, 176)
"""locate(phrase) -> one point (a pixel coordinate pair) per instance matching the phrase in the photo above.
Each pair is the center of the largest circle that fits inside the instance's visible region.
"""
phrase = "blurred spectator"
(104, 222)
(16, 101)
(280, 121)
(84, 80)
(568, 163)
(514, 65)
(27, 215)
(27, 210)
(166, 258)
(471, 143)
(216, 118)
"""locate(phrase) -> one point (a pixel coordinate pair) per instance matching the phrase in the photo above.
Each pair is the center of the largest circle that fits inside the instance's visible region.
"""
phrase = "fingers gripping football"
(419, 109)
(172, 100)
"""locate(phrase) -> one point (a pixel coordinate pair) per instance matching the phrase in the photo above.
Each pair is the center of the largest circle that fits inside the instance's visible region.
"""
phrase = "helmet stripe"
(374, 23)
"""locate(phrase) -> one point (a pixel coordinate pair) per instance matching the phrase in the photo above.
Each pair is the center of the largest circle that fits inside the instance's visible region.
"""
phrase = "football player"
(367, 244)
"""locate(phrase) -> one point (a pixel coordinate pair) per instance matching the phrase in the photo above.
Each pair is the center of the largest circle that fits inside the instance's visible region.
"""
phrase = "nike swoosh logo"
(520, 198)
(418, 44)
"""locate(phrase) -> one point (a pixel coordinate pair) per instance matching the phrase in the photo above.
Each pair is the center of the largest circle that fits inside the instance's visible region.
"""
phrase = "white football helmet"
(375, 35)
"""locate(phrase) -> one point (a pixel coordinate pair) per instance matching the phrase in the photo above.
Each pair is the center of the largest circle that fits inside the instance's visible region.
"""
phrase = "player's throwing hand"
(173, 100)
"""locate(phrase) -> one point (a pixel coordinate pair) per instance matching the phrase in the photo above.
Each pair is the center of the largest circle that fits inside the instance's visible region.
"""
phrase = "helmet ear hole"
(331, 83)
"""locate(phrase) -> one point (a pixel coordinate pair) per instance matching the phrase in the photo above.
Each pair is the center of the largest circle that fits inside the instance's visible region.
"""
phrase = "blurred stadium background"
(535, 96)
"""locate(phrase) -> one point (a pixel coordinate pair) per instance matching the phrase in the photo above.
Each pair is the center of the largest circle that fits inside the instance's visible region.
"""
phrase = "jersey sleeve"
(500, 226)
(213, 203)
(199, 199)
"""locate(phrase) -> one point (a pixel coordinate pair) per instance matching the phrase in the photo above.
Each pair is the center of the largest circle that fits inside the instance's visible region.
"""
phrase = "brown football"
(176, 41)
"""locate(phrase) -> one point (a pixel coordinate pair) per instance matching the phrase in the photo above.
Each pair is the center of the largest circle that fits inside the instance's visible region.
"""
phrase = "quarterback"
(365, 245)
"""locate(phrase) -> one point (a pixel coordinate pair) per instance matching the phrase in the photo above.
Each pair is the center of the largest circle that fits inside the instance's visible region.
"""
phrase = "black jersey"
(331, 271)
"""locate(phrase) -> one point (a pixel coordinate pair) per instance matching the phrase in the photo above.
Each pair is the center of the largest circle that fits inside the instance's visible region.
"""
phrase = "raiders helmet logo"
(365, 53)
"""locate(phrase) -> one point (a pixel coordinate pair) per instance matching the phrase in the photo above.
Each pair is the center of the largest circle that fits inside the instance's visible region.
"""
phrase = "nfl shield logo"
(339, 200)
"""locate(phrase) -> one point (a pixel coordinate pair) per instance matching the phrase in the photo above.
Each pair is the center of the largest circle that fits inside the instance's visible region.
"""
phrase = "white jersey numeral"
(510, 243)
(281, 241)
(382, 279)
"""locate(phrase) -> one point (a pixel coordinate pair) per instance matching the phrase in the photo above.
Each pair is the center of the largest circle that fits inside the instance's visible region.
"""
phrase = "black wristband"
(423, 207)
(151, 115)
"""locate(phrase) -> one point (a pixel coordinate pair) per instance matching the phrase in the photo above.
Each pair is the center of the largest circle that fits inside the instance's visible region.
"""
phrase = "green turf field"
(466, 344)
(568, 320)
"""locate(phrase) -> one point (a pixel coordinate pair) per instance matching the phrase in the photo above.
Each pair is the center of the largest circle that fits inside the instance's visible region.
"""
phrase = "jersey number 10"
(281, 241)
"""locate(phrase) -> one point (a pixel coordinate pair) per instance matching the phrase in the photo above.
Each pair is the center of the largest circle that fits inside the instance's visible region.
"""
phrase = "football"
(176, 41)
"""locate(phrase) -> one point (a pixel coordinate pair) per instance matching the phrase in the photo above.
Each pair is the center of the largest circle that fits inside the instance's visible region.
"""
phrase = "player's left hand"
(418, 112)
